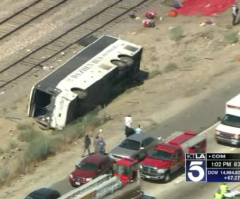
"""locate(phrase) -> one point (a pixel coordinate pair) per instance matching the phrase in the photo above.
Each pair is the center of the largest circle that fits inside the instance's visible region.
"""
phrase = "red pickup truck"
(169, 156)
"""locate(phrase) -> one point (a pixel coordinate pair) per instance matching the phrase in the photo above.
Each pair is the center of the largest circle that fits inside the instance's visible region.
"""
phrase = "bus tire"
(120, 64)
(80, 93)
(128, 60)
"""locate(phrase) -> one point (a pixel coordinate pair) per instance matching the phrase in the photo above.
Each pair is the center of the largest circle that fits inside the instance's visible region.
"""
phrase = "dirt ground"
(200, 59)
(58, 19)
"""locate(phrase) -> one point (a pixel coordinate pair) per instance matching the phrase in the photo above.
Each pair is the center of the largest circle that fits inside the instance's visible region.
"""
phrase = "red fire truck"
(126, 169)
(169, 157)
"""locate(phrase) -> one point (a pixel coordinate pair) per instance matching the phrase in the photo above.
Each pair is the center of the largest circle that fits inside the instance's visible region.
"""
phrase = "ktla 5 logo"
(195, 171)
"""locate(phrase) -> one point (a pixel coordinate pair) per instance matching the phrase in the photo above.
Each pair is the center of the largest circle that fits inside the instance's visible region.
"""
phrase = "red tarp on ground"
(204, 7)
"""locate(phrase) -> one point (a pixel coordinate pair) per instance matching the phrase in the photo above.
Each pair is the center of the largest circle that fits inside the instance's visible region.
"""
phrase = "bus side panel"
(104, 90)
(109, 87)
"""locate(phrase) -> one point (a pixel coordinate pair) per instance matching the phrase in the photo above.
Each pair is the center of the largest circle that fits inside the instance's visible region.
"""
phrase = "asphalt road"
(198, 117)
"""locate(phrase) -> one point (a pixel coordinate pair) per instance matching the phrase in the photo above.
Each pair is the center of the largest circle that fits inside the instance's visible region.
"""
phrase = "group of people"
(220, 193)
(128, 127)
(99, 144)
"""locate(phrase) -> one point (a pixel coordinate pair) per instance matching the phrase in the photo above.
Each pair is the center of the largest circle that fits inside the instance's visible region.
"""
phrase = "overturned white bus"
(92, 77)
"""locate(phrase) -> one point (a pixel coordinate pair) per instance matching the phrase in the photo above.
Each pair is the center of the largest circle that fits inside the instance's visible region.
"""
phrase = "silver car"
(136, 146)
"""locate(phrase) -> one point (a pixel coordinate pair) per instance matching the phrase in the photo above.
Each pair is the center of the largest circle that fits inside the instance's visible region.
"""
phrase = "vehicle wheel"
(128, 60)
(81, 94)
(120, 64)
(167, 177)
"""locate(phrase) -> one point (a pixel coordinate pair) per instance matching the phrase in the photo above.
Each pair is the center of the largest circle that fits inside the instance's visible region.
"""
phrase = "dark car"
(44, 193)
(89, 168)
(136, 146)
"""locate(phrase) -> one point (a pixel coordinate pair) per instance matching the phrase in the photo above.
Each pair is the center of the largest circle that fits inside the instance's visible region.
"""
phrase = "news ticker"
(212, 167)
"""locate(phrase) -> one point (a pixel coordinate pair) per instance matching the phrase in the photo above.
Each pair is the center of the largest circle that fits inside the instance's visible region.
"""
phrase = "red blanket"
(204, 7)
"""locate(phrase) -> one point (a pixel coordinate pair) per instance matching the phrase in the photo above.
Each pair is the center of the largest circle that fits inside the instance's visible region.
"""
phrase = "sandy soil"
(200, 58)
(9, 7)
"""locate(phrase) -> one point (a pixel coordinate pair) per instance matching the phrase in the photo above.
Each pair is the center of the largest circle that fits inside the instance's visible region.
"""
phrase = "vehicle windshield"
(130, 144)
(87, 166)
(162, 155)
(231, 120)
(121, 170)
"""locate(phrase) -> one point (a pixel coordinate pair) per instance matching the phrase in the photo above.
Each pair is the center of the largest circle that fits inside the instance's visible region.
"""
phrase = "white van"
(228, 131)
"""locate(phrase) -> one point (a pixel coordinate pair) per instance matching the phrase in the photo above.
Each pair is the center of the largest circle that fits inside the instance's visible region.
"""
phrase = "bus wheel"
(120, 64)
(128, 60)
(81, 94)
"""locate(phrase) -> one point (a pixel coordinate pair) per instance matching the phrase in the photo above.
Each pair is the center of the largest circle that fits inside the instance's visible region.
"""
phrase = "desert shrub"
(28, 133)
(40, 148)
(176, 33)
(55, 143)
(78, 128)
(92, 120)
(171, 67)
(73, 132)
(231, 37)
(13, 144)
(4, 173)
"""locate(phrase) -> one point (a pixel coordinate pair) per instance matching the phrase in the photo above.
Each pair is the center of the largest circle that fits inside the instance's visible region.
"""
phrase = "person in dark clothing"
(235, 14)
(128, 123)
(129, 132)
(87, 143)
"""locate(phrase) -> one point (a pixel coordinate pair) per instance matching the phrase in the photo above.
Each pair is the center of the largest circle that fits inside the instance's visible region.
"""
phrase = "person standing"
(128, 123)
(101, 146)
(87, 143)
(96, 139)
(223, 188)
(235, 14)
(218, 195)
(138, 130)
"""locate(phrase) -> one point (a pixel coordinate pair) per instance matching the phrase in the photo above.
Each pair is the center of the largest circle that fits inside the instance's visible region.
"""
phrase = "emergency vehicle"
(91, 78)
(124, 184)
(228, 131)
(169, 157)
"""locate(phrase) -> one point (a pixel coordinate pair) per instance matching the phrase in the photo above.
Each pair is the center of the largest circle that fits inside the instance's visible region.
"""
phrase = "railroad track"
(83, 29)
(25, 16)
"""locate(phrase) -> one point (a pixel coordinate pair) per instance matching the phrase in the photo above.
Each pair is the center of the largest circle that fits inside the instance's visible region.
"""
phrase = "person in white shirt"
(235, 14)
(128, 123)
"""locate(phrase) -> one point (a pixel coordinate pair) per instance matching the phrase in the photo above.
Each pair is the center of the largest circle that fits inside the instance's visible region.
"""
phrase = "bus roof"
(89, 65)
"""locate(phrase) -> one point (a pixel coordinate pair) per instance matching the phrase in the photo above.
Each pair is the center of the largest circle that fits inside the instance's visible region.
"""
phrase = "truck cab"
(169, 157)
(162, 162)
(228, 131)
